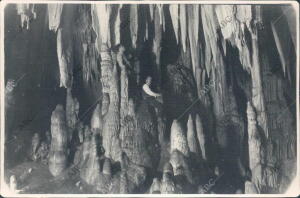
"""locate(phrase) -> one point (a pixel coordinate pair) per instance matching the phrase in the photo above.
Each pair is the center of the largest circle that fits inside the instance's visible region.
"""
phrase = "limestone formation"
(178, 139)
(91, 169)
(72, 111)
(155, 187)
(181, 166)
(254, 139)
(192, 136)
(59, 141)
(96, 120)
(111, 126)
(13, 183)
(200, 136)
(250, 188)
(35, 143)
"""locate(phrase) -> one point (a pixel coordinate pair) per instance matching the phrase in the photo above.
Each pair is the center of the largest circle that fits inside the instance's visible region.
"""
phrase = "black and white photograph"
(149, 97)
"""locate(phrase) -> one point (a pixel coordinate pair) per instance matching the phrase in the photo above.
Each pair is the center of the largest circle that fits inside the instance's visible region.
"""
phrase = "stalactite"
(54, 15)
(59, 142)
(178, 140)
(27, 13)
(134, 24)
(65, 57)
(157, 40)
(257, 89)
(174, 12)
(100, 18)
(191, 136)
(183, 25)
(200, 136)
(250, 188)
(225, 15)
(193, 32)
(117, 29)
(96, 120)
(72, 111)
(210, 34)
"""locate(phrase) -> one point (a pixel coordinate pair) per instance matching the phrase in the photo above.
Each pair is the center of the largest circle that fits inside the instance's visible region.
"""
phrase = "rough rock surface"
(178, 139)
(59, 141)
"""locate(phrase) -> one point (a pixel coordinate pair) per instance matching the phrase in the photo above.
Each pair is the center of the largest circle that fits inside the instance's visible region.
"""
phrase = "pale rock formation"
(183, 25)
(167, 185)
(91, 169)
(106, 68)
(35, 143)
(200, 135)
(180, 165)
(134, 24)
(96, 120)
(178, 139)
(174, 12)
(250, 188)
(65, 57)
(155, 187)
(27, 13)
(13, 183)
(100, 18)
(54, 14)
(58, 150)
(254, 139)
(111, 125)
(72, 111)
(192, 136)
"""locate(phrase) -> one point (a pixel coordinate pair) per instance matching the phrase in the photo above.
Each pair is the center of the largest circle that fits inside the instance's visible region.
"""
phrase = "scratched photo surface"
(149, 98)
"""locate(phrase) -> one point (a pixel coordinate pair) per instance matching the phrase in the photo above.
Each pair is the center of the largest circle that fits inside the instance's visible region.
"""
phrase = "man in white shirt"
(149, 95)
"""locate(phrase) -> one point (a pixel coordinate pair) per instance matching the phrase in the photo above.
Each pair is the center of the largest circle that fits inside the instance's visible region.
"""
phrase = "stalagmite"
(72, 111)
(135, 174)
(167, 184)
(65, 57)
(174, 12)
(191, 136)
(91, 170)
(54, 14)
(183, 25)
(250, 188)
(59, 141)
(254, 139)
(124, 89)
(134, 24)
(178, 139)
(111, 126)
(155, 187)
(132, 139)
(106, 68)
(200, 136)
(96, 120)
(13, 183)
(27, 13)
(180, 165)
(35, 143)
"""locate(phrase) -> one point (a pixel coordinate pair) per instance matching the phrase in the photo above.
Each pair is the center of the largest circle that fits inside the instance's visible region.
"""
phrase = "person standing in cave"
(150, 96)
